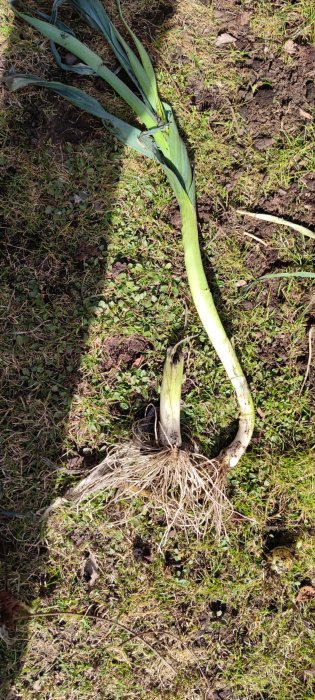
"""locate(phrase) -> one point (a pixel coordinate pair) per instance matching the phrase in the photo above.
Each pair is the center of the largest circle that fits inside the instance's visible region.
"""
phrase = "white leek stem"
(170, 398)
(212, 324)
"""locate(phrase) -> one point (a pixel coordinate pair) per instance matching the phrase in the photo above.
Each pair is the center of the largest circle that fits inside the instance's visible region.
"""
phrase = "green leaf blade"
(178, 154)
(96, 16)
(126, 133)
(91, 59)
(148, 82)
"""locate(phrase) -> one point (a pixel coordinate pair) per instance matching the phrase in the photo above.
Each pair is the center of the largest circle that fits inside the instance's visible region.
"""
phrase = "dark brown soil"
(119, 267)
(174, 217)
(142, 550)
(155, 16)
(261, 261)
(68, 125)
(86, 251)
(120, 351)
(300, 204)
(276, 95)
(205, 99)
(52, 120)
(276, 98)
(276, 92)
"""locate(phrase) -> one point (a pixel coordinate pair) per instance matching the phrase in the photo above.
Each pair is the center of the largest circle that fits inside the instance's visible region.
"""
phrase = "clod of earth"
(281, 559)
(305, 594)
(89, 569)
(120, 351)
(10, 610)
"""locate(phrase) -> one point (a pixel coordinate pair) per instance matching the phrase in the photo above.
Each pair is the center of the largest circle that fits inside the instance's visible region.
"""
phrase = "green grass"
(90, 252)
(284, 21)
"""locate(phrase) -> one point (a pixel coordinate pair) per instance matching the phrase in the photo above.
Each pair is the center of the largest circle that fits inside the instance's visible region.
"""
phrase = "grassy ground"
(93, 290)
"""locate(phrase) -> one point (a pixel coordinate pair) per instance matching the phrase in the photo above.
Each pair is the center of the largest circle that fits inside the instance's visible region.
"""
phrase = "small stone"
(225, 39)
(241, 283)
(305, 115)
(70, 59)
(290, 47)
(262, 144)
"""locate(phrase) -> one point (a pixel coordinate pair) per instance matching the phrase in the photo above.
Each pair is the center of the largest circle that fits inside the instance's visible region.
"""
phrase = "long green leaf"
(79, 68)
(151, 89)
(61, 25)
(96, 16)
(91, 59)
(126, 133)
(178, 154)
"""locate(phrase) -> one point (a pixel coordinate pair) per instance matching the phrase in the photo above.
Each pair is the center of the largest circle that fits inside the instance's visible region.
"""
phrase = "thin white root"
(187, 487)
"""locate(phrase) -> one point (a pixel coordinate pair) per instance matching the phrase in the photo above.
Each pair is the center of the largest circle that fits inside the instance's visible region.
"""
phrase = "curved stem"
(212, 324)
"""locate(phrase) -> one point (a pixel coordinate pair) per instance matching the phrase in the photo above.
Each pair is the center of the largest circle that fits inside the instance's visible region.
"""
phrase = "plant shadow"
(55, 221)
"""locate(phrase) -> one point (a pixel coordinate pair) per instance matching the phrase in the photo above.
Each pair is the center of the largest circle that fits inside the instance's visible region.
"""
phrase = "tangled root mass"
(187, 487)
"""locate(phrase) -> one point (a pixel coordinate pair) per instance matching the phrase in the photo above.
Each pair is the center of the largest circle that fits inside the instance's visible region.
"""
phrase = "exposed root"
(188, 487)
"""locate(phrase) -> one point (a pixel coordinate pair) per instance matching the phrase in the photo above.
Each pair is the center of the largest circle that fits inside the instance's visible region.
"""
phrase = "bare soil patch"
(120, 351)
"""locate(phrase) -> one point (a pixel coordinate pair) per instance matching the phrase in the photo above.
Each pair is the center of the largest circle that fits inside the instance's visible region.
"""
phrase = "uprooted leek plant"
(172, 471)
(185, 485)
